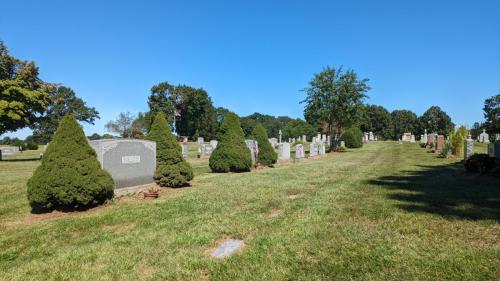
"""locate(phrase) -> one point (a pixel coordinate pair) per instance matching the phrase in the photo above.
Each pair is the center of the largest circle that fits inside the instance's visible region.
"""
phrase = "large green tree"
(23, 96)
(333, 100)
(63, 101)
(298, 128)
(196, 114)
(377, 119)
(492, 114)
(436, 120)
(163, 98)
(271, 123)
(403, 121)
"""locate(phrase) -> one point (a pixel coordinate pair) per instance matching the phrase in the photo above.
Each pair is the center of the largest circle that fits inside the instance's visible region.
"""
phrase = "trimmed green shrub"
(479, 163)
(171, 169)
(267, 155)
(353, 137)
(231, 154)
(70, 177)
(31, 145)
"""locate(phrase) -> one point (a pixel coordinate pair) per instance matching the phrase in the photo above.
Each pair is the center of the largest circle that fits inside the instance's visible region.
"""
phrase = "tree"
(352, 137)
(220, 114)
(492, 114)
(247, 125)
(196, 113)
(23, 96)
(271, 123)
(70, 175)
(297, 128)
(125, 126)
(476, 130)
(171, 169)
(94, 136)
(403, 121)
(164, 99)
(378, 120)
(436, 121)
(457, 140)
(62, 101)
(334, 98)
(231, 154)
(267, 155)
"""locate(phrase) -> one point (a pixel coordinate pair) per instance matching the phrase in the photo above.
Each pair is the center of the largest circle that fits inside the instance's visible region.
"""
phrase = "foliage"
(378, 120)
(197, 114)
(70, 175)
(352, 137)
(436, 120)
(492, 114)
(479, 163)
(163, 98)
(476, 130)
(63, 101)
(23, 96)
(231, 154)
(271, 123)
(457, 140)
(220, 114)
(267, 155)
(334, 98)
(125, 125)
(298, 128)
(94, 136)
(404, 121)
(171, 169)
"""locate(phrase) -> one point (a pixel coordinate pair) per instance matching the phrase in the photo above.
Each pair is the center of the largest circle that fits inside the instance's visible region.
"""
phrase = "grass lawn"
(387, 211)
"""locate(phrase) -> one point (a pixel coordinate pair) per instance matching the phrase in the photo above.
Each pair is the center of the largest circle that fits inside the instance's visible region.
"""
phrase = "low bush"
(171, 169)
(231, 154)
(352, 137)
(69, 177)
(479, 163)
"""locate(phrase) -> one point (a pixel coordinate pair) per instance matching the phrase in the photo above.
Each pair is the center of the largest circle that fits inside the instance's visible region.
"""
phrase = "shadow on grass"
(445, 190)
(21, 159)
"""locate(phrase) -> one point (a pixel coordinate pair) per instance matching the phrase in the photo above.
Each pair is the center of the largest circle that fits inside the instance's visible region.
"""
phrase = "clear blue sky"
(255, 56)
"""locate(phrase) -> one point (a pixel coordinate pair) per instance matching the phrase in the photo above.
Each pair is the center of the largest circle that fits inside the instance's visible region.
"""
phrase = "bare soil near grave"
(387, 211)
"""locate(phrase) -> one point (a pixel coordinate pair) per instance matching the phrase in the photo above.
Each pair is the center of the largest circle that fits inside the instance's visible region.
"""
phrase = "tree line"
(334, 102)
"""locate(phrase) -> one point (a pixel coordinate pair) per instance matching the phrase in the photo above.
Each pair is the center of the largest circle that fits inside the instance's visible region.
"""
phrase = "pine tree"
(171, 169)
(231, 154)
(267, 155)
(70, 175)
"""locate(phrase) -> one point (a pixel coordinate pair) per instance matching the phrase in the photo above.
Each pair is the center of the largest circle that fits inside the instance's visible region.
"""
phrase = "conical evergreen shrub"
(231, 154)
(69, 176)
(171, 169)
(267, 155)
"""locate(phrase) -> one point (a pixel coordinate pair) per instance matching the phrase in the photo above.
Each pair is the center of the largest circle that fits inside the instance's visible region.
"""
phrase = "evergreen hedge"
(171, 169)
(231, 154)
(353, 137)
(69, 177)
(267, 155)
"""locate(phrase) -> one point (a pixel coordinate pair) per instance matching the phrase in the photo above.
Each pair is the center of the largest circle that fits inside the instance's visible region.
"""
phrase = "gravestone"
(328, 140)
(342, 144)
(304, 138)
(370, 136)
(484, 137)
(185, 150)
(283, 151)
(322, 148)
(439, 144)
(412, 138)
(205, 150)
(299, 151)
(227, 248)
(274, 142)
(200, 141)
(424, 137)
(214, 144)
(468, 148)
(313, 149)
(431, 139)
(253, 146)
(129, 162)
(491, 149)
(323, 138)
(9, 150)
(497, 150)
(407, 137)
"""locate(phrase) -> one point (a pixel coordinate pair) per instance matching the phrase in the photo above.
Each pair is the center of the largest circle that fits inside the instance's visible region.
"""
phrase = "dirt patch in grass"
(119, 228)
(273, 213)
(145, 271)
(204, 274)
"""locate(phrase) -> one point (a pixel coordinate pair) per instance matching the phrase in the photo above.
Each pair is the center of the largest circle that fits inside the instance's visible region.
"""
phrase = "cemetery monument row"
(130, 162)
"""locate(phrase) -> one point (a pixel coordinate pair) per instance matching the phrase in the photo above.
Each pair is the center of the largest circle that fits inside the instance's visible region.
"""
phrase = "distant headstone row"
(205, 150)
(369, 136)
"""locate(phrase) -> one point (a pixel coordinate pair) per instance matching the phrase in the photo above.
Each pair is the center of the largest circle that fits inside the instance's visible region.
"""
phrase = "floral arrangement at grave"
(70, 176)
(171, 168)
(231, 154)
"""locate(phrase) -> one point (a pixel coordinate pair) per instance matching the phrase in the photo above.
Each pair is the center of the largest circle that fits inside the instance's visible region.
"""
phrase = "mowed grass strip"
(387, 211)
